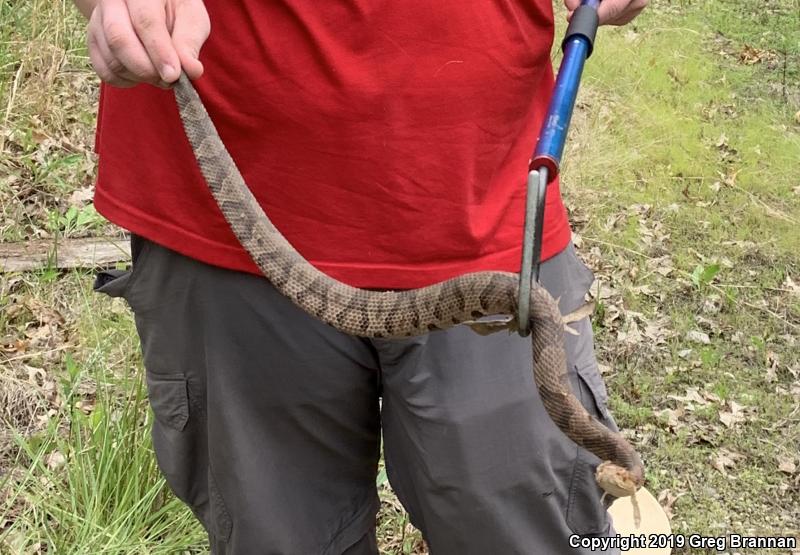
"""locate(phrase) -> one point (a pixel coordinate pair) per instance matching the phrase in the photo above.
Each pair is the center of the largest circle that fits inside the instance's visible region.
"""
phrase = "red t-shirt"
(387, 140)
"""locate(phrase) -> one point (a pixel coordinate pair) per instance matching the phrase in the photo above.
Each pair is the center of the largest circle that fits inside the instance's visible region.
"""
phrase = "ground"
(681, 177)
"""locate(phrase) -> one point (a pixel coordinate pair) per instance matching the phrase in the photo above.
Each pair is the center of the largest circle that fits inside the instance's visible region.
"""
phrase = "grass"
(681, 175)
(87, 482)
(683, 181)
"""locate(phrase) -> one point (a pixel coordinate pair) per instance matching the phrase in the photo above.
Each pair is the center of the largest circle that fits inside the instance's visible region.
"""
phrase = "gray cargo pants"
(268, 423)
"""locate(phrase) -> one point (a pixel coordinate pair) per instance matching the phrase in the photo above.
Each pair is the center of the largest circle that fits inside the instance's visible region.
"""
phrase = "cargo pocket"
(586, 513)
(169, 399)
(181, 447)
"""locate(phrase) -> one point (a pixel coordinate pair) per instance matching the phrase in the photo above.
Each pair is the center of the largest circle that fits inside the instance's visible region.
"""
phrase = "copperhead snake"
(392, 314)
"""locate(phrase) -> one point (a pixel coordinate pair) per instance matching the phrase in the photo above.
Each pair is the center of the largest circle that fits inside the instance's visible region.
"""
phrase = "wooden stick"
(86, 252)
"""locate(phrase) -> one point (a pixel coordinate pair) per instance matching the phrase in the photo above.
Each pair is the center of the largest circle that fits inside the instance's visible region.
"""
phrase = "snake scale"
(392, 314)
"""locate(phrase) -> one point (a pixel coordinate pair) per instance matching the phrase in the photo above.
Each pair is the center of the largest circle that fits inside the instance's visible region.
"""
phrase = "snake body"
(392, 314)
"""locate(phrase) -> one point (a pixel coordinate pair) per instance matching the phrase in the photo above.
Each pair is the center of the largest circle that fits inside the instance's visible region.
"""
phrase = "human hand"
(147, 41)
(612, 12)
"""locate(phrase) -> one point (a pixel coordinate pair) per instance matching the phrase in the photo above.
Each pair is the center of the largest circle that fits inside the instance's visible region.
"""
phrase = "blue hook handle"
(577, 46)
(545, 164)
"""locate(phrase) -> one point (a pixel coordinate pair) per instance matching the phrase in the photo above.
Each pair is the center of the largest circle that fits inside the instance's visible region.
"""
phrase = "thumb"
(571, 6)
(190, 30)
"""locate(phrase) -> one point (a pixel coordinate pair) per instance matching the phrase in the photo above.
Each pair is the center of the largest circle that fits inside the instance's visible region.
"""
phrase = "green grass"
(687, 151)
(681, 175)
(47, 111)
(86, 481)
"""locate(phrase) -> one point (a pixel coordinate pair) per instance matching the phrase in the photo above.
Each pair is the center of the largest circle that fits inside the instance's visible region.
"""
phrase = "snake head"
(616, 480)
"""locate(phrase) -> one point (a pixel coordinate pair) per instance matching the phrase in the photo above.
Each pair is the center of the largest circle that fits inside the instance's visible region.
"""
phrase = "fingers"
(620, 12)
(119, 45)
(105, 64)
(612, 12)
(149, 22)
(190, 31)
(147, 41)
(628, 15)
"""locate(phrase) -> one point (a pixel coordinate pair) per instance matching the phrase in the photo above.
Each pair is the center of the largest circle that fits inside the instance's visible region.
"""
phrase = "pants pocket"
(119, 283)
(113, 283)
(586, 514)
(594, 394)
(181, 447)
(169, 399)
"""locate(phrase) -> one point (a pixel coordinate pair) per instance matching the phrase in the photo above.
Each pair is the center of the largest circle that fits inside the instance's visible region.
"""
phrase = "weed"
(76, 221)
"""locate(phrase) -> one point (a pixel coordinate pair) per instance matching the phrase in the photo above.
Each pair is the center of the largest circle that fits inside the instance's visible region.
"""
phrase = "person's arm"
(145, 41)
(613, 12)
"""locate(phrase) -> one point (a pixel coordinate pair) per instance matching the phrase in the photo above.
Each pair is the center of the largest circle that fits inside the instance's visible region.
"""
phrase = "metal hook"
(531, 245)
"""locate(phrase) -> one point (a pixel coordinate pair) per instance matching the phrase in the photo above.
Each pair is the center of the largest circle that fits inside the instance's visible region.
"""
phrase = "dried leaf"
(612, 314)
(791, 286)
(662, 265)
(667, 500)
(733, 416)
(712, 305)
(36, 376)
(725, 459)
(644, 290)
(44, 313)
(630, 334)
(656, 331)
(692, 396)
(751, 55)
(672, 416)
(81, 197)
(772, 374)
(707, 395)
(786, 465)
(697, 336)
(55, 460)
(602, 290)
(86, 406)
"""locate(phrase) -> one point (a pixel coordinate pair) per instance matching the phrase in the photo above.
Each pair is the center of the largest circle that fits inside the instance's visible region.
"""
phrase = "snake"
(411, 312)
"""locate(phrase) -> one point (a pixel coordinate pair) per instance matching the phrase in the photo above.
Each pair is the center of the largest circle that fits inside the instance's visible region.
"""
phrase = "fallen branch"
(87, 252)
